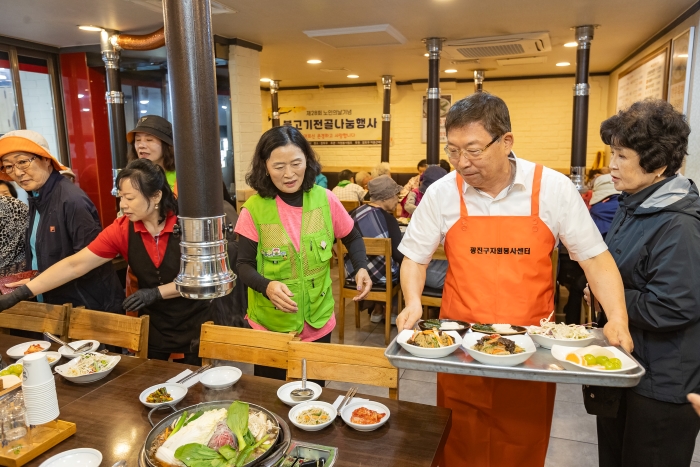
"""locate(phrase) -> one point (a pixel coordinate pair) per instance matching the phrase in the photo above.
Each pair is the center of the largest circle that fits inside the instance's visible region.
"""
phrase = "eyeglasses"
(21, 165)
(455, 153)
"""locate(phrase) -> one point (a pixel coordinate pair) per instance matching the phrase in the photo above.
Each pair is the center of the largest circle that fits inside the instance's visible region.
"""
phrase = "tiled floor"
(573, 441)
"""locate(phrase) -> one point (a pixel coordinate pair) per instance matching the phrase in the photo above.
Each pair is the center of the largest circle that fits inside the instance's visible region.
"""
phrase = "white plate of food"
(499, 328)
(430, 343)
(284, 392)
(83, 457)
(163, 394)
(88, 367)
(53, 358)
(312, 415)
(365, 416)
(580, 359)
(548, 334)
(20, 350)
(494, 349)
(68, 353)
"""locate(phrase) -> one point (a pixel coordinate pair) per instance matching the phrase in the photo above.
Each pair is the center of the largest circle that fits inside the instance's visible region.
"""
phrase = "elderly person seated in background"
(362, 179)
(13, 226)
(414, 182)
(383, 168)
(7, 189)
(654, 240)
(375, 220)
(432, 174)
(347, 189)
(62, 221)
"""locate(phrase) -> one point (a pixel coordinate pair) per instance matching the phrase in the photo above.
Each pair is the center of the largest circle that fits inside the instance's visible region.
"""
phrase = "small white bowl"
(284, 392)
(68, 353)
(296, 410)
(49, 355)
(18, 350)
(346, 414)
(547, 342)
(84, 457)
(524, 341)
(406, 334)
(92, 377)
(176, 391)
(560, 352)
(220, 377)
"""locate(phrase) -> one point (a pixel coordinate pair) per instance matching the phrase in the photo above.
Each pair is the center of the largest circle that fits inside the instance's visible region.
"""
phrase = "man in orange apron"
(499, 218)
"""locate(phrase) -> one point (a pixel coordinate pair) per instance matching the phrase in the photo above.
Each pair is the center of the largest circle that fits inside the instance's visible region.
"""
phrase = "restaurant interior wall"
(692, 165)
(541, 115)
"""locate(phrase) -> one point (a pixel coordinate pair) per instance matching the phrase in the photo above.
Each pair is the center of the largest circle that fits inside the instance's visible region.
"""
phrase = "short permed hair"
(481, 107)
(272, 139)
(654, 130)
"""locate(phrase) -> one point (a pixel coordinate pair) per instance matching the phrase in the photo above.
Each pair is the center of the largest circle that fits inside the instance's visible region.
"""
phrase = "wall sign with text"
(341, 125)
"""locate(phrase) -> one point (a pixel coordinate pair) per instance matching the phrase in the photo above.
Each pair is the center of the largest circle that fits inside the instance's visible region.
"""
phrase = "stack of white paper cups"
(39, 389)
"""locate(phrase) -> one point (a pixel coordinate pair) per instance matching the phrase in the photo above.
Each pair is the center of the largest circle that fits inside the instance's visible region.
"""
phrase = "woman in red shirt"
(144, 237)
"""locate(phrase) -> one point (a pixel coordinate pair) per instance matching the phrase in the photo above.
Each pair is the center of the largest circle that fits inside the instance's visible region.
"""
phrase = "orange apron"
(500, 271)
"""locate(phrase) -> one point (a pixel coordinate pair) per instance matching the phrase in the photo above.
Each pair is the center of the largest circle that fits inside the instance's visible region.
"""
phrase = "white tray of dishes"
(541, 365)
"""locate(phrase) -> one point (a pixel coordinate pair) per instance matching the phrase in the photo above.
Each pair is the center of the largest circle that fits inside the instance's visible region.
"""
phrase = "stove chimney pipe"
(479, 81)
(204, 268)
(434, 46)
(386, 118)
(579, 135)
(274, 91)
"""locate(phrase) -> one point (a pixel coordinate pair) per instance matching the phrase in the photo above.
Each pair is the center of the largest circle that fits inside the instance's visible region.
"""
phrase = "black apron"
(175, 323)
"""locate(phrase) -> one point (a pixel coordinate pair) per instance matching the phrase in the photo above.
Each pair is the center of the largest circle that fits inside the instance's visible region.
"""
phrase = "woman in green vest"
(286, 234)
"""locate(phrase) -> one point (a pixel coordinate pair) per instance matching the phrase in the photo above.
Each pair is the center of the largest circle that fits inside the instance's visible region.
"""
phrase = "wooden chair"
(36, 317)
(374, 247)
(350, 205)
(244, 345)
(110, 328)
(346, 363)
(432, 296)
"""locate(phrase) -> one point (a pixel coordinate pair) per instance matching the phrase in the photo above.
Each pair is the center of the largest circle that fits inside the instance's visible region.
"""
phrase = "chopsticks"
(348, 397)
(193, 374)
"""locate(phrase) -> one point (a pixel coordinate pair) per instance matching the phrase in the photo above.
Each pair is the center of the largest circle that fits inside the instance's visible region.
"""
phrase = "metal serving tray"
(539, 367)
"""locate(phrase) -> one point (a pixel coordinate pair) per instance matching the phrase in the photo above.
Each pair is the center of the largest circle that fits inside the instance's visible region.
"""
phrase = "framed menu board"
(648, 78)
(681, 56)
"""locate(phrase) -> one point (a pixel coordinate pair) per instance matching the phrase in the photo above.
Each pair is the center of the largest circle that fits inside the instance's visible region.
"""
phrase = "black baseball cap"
(153, 125)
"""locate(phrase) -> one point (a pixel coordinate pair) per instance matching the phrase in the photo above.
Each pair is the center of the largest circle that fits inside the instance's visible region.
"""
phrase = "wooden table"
(111, 419)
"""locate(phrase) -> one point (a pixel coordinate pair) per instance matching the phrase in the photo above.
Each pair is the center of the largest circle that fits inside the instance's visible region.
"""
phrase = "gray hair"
(383, 168)
(481, 107)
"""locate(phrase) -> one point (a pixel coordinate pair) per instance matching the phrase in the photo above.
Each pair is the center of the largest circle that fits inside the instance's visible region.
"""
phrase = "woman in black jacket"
(655, 238)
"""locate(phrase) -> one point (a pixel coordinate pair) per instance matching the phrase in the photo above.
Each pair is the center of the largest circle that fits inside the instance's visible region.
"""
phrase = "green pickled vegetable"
(237, 422)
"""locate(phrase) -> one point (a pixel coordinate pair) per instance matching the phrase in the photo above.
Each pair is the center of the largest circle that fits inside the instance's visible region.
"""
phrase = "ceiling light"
(682, 55)
(224, 107)
(571, 44)
(143, 102)
(563, 64)
(451, 70)
(86, 110)
(353, 76)
(80, 96)
(426, 55)
(265, 80)
(143, 111)
(90, 28)
(313, 61)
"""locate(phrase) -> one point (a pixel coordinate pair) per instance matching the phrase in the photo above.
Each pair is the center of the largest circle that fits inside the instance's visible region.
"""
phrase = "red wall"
(88, 132)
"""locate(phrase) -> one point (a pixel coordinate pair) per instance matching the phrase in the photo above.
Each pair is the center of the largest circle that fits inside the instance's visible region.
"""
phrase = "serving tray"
(542, 366)
(40, 439)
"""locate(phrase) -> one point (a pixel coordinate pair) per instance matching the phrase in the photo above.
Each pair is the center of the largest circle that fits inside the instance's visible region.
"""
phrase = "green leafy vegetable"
(248, 437)
(228, 452)
(247, 451)
(199, 455)
(180, 423)
(237, 421)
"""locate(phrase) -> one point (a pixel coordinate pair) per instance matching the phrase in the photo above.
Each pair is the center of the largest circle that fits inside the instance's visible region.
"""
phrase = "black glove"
(11, 299)
(142, 298)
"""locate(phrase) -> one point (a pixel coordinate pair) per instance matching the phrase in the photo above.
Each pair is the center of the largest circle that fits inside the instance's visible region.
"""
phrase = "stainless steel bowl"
(279, 445)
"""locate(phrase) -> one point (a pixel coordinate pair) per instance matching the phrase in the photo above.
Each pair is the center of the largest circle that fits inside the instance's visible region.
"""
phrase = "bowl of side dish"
(68, 353)
(494, 349)
(548, 334)
(51, 356)
(163, 394)
(365, 416)
(430, 343)
(312, 415)
(20, 350)
(88, 367)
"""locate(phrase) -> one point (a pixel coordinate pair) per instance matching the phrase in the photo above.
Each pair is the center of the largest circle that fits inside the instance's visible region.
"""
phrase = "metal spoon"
(303, 393)
(120, 464)
(83, 348)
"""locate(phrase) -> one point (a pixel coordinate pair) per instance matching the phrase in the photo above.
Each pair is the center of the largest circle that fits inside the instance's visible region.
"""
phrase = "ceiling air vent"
(499, 46)
(361, 36)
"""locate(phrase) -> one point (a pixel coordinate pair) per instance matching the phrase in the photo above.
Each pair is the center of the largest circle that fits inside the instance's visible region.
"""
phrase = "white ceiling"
(278, 26)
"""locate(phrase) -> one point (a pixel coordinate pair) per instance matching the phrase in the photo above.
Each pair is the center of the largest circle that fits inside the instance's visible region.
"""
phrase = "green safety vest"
(306, 273)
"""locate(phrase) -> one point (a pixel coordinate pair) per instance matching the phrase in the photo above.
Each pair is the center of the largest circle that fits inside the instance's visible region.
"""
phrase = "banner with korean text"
(339, 125)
